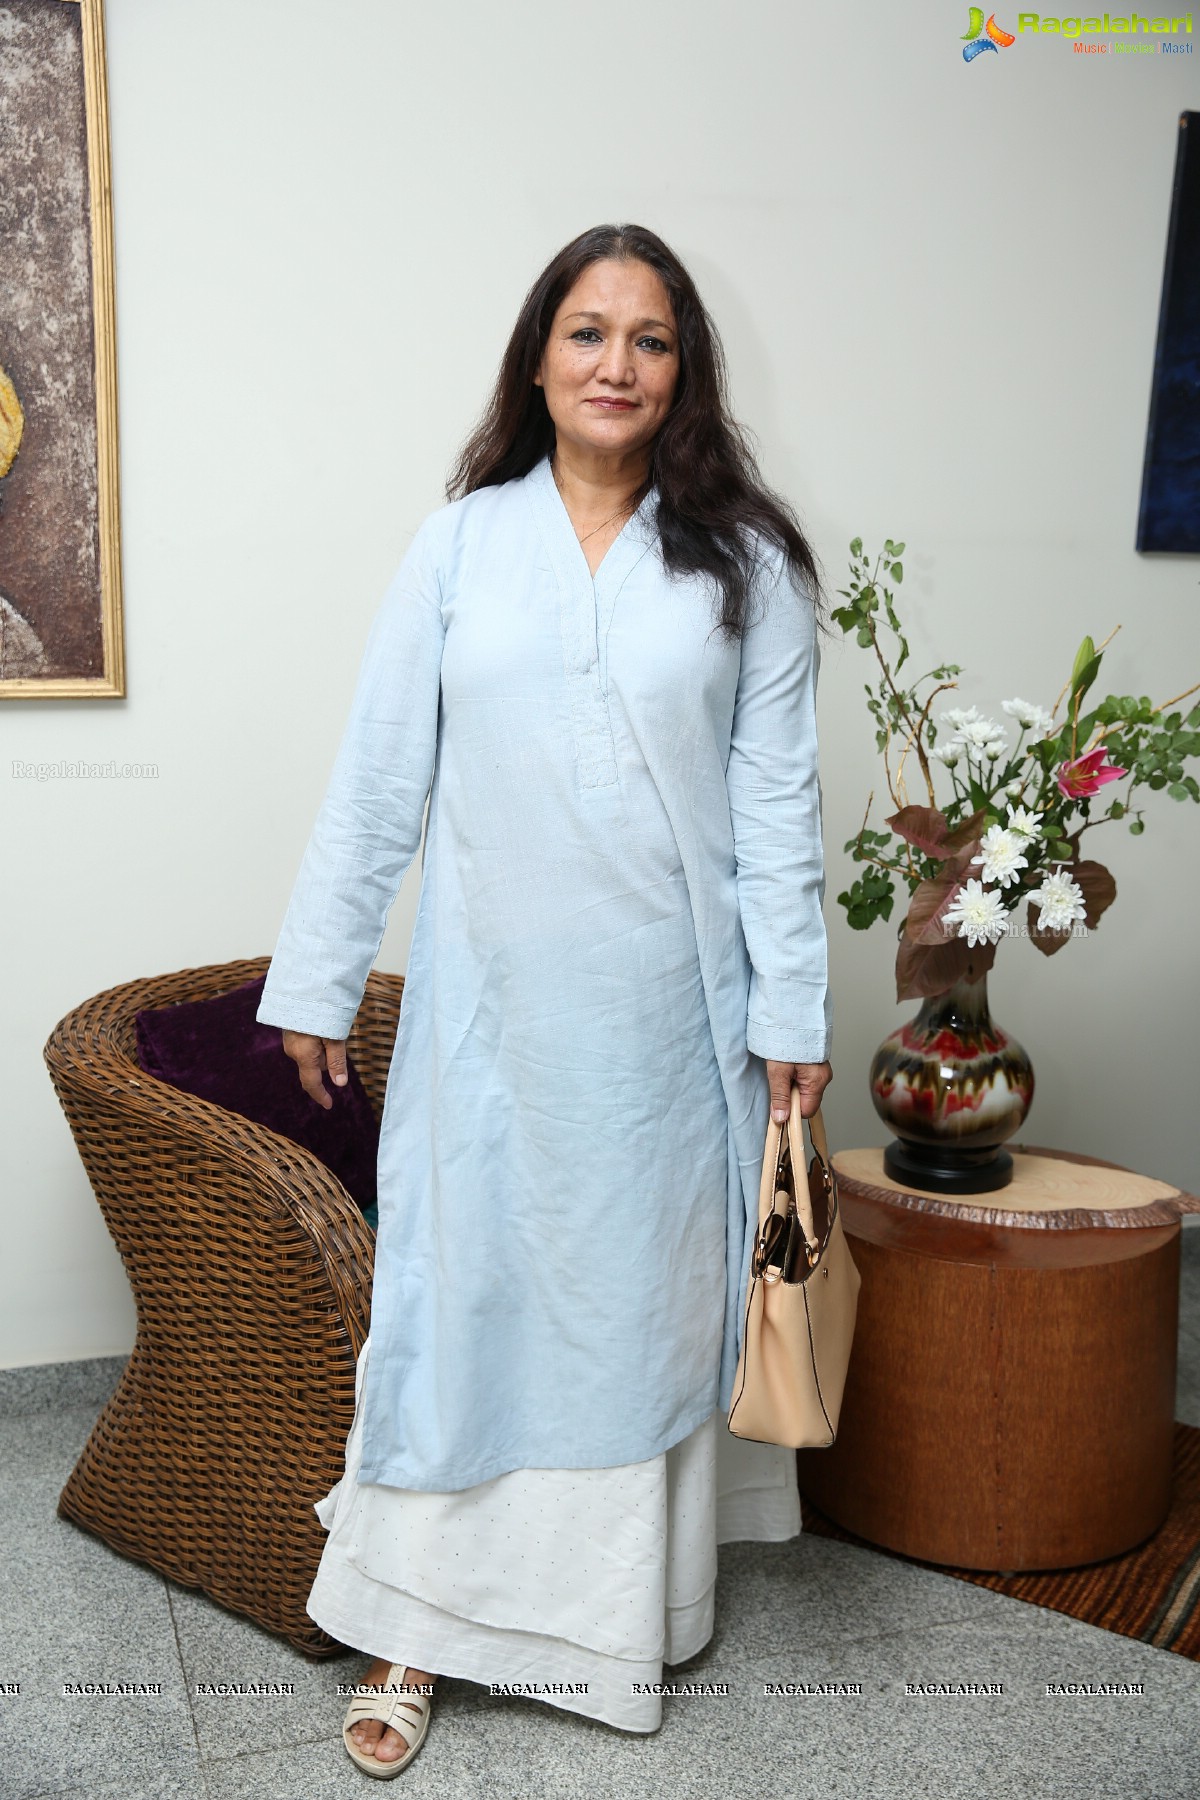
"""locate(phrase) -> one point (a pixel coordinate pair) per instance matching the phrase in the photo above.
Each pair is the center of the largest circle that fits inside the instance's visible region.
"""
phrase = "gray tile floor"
(809, 1610)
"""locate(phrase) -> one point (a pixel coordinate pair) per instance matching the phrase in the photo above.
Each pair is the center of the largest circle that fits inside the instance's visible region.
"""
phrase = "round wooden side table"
(1011, 1392)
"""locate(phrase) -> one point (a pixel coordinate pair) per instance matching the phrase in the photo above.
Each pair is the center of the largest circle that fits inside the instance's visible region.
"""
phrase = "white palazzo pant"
(571, 1585)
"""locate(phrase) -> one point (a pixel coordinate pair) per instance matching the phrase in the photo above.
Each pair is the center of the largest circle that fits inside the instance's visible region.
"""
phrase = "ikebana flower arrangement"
(1010, 829)
(999, 854)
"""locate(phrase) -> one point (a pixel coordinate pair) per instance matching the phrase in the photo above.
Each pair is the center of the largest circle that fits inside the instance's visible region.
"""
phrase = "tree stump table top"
(1050, 1190)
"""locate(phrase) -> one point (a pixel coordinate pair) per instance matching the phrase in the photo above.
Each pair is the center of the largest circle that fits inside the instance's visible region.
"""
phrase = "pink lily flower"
(1088, 774)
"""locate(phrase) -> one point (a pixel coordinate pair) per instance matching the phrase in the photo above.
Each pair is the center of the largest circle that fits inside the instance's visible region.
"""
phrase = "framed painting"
(61, 628)
(1169, 513)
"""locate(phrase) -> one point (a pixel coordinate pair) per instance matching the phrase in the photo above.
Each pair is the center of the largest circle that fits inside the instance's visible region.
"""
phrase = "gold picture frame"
(61, 618)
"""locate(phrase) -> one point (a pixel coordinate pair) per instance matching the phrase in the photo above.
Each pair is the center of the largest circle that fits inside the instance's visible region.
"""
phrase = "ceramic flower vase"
(952, 1086)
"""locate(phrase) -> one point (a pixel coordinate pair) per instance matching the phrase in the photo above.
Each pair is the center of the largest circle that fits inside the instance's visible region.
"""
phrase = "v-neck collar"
(567, 553)
(586, 606)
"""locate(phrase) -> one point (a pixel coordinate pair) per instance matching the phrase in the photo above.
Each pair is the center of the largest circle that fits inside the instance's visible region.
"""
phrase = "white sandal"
(383, 1702)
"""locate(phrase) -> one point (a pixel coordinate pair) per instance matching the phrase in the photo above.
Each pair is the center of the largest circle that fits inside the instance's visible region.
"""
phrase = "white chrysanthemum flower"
(951, 753)
(1015, 787)
(1034, 718)
(995, 750)
(1022, 821)
(958, 716)
(1060, 902)
(1000, 854)
(981, 734)
(978, 912)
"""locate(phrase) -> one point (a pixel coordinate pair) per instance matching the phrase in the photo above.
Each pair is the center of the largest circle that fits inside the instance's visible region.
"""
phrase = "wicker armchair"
(251, 1273)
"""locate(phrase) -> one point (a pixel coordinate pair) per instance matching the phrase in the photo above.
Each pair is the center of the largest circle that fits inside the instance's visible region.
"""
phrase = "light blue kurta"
(619, 918)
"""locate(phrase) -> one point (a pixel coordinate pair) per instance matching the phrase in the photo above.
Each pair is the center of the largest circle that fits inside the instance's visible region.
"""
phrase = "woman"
(598, 662)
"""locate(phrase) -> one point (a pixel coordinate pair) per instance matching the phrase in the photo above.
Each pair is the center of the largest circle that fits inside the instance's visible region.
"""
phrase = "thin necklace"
(589, 534)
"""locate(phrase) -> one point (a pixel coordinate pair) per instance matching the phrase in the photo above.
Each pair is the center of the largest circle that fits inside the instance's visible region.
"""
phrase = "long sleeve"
(368, 828)
(775, 800)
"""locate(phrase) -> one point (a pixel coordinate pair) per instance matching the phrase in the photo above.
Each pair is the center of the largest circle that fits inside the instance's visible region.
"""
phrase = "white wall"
(938, 287)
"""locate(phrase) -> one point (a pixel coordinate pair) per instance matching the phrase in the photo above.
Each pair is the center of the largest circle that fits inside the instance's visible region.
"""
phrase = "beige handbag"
(802, 1298)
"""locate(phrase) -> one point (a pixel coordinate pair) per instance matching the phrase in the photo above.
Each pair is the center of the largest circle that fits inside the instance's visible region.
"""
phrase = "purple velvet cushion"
(217, 1050)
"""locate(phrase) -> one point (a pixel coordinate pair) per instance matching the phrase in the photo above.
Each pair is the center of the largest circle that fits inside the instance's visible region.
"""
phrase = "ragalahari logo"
(994, 38)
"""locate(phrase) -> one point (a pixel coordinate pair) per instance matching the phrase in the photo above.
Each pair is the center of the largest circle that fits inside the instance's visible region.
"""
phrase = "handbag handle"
(816, 1131)
(794, 1126)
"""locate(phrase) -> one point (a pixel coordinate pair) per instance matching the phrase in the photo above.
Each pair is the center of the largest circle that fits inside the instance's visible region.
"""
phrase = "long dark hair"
(711, 494)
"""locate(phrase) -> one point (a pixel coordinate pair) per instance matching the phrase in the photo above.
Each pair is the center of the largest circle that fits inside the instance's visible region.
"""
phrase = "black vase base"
(947, 1168)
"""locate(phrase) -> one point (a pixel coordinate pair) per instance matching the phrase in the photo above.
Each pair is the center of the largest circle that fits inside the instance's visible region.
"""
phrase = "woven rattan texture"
(251, 1274)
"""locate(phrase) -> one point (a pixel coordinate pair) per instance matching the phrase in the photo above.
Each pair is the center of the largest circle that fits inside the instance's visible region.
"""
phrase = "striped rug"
(1151, 1593)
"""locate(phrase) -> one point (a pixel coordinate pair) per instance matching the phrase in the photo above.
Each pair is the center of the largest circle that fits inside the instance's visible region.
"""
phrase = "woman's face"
(613, 340)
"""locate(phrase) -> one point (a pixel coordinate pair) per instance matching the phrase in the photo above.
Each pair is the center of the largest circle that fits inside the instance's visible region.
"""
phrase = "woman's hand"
(311, 1055)
(811, 1078)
